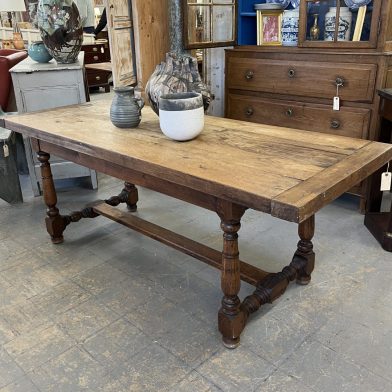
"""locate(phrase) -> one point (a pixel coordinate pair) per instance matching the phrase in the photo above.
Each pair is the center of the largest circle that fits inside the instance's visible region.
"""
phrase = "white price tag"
(386, 181)
(336, 103)
(6, 151)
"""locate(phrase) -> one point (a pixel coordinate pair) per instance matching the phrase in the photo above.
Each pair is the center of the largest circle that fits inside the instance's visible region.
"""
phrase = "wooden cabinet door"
(119, 18)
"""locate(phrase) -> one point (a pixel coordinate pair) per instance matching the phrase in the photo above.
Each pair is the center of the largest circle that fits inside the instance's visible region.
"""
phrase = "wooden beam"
(210, 256)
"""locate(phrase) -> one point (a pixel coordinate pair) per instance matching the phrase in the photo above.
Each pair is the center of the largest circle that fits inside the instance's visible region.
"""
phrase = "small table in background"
(41, 86)
(380, 223)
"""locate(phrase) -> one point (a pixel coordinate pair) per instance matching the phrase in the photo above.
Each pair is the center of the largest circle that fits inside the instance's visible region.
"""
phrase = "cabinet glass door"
(340, 23)
(209, 23)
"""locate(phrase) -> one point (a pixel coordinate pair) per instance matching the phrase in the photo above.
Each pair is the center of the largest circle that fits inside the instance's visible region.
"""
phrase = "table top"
(29, 65)
(285, 172)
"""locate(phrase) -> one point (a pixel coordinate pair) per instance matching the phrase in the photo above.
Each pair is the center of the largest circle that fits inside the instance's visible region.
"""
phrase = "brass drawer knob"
(97, 78)
(291, 73)
(249, 112)
(289, 112)
(339, 81)
(335, 124)
(249, 75)
(96, 58)
(95, 49)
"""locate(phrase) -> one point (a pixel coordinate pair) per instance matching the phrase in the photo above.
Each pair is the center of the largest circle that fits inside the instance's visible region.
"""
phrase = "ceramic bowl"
(181, 115)
(38, 52)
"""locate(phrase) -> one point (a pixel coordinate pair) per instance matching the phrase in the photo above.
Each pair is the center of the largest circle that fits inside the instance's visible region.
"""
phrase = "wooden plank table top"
(285, 172)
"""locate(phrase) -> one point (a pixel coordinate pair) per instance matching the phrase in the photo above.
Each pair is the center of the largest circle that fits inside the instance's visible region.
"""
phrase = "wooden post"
(305, 249)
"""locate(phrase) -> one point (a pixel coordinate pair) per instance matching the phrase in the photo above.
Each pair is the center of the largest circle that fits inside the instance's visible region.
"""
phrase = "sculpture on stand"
(179, 73)
(61, 29)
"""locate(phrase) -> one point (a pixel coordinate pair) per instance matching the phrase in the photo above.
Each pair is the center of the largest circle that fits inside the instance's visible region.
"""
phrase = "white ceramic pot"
(344, 30)
(181, 115)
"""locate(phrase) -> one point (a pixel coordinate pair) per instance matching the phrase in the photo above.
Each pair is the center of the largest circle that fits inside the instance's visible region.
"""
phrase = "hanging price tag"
(336, 103)
(6, 151)
(386, 180)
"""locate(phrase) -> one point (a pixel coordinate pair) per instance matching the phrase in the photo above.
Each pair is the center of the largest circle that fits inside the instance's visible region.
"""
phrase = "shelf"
(251, 14)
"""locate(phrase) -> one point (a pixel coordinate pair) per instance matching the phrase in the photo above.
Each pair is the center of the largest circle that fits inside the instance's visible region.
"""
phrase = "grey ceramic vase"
(126, 110)
(61, 29)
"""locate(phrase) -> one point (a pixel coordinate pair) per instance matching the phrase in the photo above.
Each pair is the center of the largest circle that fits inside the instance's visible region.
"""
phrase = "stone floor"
(110, 310)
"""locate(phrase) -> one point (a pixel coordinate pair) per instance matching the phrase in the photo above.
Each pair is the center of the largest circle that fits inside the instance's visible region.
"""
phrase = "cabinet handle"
(335, 124)
(95, 49)
(289, 112)
(97, 78)
(291, 73)
(249, 112)
(249, 75)
(95, 58)
(339, 81)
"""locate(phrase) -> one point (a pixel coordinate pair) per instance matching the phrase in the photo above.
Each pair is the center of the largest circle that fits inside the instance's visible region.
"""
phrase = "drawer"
(90, 58)
(352, 122)
(99, 48)
(95, 78)
(308, 79)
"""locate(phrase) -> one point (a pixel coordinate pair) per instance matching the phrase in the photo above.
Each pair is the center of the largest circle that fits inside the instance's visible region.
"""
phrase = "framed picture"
(269, 23)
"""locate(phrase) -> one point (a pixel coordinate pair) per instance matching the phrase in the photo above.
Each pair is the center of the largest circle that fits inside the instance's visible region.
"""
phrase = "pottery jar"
(125, 110)
(290, 21)
(181, 115)
(61, 29)
(344, 29)
(38, 52)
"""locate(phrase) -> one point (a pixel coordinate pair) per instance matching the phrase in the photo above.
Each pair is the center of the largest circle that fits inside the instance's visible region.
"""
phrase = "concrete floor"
(110, 310)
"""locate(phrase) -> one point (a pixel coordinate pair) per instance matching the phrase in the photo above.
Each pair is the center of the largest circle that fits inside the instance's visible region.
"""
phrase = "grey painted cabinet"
(45, 86)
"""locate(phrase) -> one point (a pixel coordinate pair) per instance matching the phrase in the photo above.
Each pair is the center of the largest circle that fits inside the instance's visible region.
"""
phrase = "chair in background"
(10, 187)
(8, 58)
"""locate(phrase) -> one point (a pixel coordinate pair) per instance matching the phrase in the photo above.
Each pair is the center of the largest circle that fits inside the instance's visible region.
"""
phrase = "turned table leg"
(305, 250)
(231, 320)
(55, 224)
(133, 196)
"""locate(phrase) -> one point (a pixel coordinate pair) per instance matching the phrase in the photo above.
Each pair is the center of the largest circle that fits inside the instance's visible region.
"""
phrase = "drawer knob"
(289, 112)
(335, 124)
(95, 49)
(249, 112)
(339, 81)
(97, 78)
(249, 75)
(95, 58)
(291, 73)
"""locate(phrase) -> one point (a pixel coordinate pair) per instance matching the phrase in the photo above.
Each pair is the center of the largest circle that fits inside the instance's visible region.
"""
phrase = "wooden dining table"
(230, 167)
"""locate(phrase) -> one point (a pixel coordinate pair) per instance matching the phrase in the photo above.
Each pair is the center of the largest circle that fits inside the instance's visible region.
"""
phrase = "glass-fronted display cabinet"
(209, 23)
(362, 23)
(339, 23)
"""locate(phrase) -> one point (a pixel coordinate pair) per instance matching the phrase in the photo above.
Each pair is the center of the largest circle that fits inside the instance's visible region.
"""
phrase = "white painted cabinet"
(45, 86)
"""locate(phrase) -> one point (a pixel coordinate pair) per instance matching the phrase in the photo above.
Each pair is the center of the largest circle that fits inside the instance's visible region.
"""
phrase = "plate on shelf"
(295, 3)
(283, 3)
(355, 4)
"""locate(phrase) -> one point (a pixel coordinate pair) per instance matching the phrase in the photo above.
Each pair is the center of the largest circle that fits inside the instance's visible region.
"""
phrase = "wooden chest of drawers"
(295, 88)
(96, 54)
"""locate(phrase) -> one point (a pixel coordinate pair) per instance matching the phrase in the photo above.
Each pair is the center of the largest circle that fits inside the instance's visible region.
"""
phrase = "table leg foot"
(232, 343)
(305, 250)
